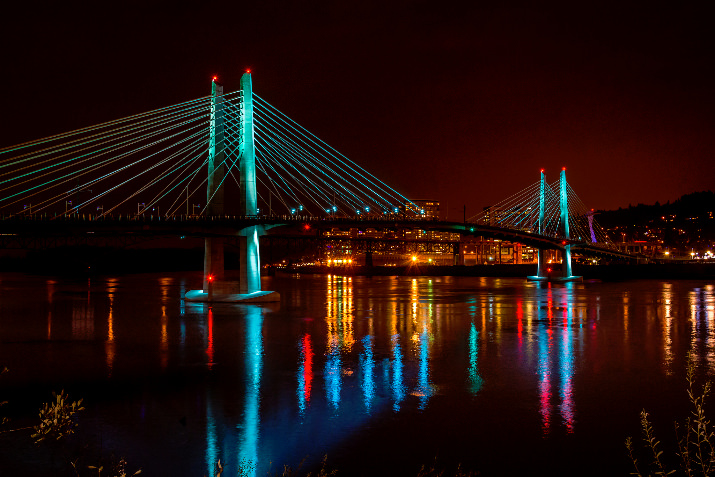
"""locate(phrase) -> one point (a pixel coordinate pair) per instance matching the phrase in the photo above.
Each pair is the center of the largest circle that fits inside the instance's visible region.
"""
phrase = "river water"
(382, 374)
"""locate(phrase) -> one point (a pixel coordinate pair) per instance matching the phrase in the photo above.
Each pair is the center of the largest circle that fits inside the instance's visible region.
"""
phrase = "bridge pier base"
(255, 297)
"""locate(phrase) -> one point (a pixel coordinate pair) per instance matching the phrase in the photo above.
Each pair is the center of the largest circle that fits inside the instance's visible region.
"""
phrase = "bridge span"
(16, 230)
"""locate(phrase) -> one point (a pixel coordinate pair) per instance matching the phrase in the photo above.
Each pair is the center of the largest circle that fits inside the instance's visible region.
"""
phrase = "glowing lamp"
(210, 278)
(306, 226)
(414, 258)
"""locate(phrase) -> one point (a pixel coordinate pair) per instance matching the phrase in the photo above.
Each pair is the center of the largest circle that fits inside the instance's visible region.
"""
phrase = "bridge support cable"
(318, 168)
(314, 173)
(271, 159)
(67, 155)
(307, 178)
(65, 175)
(343, 163)
(359, 188)
(40, 176)
(84, 135)
(88, 155)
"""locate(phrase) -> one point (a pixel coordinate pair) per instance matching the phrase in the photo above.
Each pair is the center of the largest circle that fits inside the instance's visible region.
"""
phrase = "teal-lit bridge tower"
(544, 271)
(215, 285)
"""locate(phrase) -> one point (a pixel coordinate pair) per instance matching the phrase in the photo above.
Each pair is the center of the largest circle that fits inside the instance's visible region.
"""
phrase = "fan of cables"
(521, 212)
(157, 163)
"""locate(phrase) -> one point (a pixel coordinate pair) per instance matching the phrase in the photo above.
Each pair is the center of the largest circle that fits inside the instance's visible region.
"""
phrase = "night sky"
(463, 104)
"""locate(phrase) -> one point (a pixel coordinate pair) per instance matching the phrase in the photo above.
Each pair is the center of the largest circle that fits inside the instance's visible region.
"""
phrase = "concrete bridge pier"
(215, 286)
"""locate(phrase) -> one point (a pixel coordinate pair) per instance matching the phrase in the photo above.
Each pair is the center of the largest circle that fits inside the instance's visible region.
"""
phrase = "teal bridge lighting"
(233, 154)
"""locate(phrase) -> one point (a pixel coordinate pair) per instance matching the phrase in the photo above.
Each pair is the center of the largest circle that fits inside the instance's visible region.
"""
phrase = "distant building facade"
(428, 209)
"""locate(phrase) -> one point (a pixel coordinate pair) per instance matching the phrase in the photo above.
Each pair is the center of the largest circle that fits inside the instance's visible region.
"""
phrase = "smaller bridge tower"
(544, 272)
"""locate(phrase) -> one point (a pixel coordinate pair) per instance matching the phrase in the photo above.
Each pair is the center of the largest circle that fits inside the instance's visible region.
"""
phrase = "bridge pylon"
(544, 272)
(215, 286)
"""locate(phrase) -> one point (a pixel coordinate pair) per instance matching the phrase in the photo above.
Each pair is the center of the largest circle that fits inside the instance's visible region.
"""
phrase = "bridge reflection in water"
(342, 358)
(377, 357)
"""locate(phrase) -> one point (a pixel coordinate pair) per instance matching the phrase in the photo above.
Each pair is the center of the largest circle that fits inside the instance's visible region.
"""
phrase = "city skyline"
(461, 105)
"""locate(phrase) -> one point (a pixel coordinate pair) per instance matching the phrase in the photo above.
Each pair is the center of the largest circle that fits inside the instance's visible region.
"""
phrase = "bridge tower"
(215, 285)
(543, 272)
(564, 206)
(250, 278)
(214, 246)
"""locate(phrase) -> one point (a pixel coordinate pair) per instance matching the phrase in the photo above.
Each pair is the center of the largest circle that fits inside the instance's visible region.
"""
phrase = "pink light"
(307, 366)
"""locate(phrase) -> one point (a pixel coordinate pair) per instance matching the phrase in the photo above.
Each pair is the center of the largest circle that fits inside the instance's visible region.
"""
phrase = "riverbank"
(604, 272)
(103, 260)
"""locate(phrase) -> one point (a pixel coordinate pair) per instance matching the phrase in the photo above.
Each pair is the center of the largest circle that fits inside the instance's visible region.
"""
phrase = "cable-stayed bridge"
(232, 164)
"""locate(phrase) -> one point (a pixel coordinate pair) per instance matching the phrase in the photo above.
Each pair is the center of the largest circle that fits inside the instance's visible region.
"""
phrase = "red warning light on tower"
(248, 70)
(215, 78)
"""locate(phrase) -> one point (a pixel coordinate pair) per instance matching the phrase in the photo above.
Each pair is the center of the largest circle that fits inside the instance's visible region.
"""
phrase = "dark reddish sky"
(445, 101)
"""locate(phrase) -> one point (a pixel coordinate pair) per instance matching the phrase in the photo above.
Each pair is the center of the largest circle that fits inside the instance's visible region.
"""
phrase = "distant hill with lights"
(688, 222)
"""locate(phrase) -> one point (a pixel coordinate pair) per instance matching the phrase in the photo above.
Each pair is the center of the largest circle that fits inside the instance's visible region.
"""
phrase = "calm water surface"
(382, 374)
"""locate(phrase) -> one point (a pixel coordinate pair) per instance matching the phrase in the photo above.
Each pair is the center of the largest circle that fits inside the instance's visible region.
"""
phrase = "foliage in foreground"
(57, 421)
(695, 438)
(57, 418)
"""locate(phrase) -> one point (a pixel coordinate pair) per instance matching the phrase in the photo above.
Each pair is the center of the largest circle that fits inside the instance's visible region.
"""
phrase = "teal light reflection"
(566, 364)
(475, 380)
(248, 444)
(398, 389)
(367, 372)
(333, 379)
(425, 388)
(566, 371)
(545, 338)
(212, 451)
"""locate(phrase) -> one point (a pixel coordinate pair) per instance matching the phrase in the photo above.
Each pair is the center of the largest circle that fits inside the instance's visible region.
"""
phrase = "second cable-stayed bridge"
(231, 164)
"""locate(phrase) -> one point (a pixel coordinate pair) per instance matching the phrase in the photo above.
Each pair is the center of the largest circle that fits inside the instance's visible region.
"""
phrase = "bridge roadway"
(23, 228)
